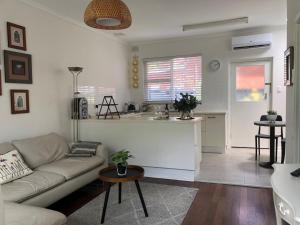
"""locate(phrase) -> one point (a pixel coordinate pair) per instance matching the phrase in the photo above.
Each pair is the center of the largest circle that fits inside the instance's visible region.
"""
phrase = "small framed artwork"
(19, 101)
(288, 66)
(16, 36)
(18, 68)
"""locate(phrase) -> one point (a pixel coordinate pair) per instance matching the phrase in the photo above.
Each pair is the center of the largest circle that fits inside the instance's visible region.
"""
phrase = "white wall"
(293, 97)
(215, 84)
(56, 44)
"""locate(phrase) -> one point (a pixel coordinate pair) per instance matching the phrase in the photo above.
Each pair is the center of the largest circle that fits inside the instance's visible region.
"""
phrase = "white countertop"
(210, 112)
(286, 186)
(139, 118)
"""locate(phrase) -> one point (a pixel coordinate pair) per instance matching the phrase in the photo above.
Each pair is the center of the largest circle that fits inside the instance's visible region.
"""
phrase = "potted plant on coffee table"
(185, 105)
(120, 160)
(272, 115)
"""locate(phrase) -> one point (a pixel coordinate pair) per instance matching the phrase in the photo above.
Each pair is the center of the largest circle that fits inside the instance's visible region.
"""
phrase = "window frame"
(165, 58)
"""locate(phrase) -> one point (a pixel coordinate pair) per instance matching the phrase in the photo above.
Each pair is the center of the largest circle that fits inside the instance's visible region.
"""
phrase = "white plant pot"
(272, 117)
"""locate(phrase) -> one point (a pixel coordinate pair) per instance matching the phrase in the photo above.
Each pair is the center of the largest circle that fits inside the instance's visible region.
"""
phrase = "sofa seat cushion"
(30, 186)
(43, 149)
(18, 214)
(73, 166)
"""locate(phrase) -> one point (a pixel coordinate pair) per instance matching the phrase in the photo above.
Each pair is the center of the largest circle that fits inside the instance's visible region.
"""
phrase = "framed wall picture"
(16, 36)
(18, 68)
(288, 66)
(19, 101)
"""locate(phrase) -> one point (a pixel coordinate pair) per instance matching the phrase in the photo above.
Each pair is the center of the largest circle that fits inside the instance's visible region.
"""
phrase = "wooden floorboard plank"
(214, 204)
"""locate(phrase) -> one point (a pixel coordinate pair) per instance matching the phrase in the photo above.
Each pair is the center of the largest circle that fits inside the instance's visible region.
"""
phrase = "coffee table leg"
(120, 192)
(141, 197)
(105, 203)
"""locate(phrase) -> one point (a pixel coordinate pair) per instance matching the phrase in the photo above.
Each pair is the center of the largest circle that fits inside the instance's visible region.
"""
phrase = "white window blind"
(166, 78)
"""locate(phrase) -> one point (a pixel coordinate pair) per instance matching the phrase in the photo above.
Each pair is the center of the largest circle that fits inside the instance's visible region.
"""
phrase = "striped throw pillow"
(12, 167)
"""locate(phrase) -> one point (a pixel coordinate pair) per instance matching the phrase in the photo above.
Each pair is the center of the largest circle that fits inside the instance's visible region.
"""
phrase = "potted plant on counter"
(272, 115)
(185, 105)
(120, 160)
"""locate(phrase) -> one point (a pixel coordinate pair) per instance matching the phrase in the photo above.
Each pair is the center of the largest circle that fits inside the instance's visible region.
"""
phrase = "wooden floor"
(214, 204)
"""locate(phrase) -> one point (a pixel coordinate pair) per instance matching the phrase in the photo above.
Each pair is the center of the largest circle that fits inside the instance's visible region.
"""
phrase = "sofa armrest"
(102, 152)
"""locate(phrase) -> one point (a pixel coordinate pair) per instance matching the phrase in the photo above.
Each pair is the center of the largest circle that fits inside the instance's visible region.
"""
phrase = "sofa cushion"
(43, 149)
(16, 214)
(6, 147)
(73, 166)
(30, 186)
(12, 167)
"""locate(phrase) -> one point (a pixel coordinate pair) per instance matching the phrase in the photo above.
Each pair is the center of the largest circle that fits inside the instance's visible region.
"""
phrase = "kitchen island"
(168, 149)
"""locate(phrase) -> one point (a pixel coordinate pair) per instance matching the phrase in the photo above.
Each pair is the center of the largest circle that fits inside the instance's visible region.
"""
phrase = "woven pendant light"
(107, 15)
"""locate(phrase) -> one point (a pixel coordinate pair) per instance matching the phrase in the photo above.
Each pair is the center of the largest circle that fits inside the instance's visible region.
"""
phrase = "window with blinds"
(166, 78)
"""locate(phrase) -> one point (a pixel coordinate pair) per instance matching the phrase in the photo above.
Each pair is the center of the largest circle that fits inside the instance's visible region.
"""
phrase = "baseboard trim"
(173, 174)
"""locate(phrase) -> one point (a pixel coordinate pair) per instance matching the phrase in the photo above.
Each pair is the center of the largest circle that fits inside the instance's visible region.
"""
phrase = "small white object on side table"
(286, 194)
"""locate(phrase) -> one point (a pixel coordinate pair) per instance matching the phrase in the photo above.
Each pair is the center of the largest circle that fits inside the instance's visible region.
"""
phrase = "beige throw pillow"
(12, 167)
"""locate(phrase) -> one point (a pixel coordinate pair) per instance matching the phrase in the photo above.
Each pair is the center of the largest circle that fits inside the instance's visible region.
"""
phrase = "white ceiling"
(160, 19)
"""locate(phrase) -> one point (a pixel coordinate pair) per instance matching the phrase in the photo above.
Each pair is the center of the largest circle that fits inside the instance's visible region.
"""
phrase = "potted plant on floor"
(120, 160)
(185, 105)
(272, 115)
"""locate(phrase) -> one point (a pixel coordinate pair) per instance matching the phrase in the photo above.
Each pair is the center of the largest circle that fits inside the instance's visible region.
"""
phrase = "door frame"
(245, 60)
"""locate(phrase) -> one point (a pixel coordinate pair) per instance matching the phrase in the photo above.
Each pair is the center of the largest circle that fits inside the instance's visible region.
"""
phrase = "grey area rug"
(166, 205)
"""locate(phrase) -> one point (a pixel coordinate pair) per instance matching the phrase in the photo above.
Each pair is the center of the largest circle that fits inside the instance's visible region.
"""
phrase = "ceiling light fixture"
(107, 15)
(215, 23)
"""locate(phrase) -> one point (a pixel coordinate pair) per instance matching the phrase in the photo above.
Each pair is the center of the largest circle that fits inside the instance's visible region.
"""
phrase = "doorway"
(250, 97)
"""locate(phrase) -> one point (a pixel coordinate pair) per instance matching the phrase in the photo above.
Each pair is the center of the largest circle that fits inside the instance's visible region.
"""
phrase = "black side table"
(110, 176)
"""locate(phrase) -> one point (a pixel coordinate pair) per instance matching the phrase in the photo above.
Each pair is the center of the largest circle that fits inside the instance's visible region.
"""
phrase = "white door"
(250, 97)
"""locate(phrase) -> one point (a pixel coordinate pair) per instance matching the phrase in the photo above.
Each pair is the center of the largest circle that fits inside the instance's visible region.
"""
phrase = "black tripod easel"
(108, 101)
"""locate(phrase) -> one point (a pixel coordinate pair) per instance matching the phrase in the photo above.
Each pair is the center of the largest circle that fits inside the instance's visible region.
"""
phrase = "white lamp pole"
(75, 102)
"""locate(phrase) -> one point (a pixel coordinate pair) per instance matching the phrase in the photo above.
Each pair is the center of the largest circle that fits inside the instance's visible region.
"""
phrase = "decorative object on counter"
(80, 108)
(131, 108)
(167, 112)
(145, 107)
(19, 101)
(271, 115)
(288, 66)
(120, 160)
(108, 101)
(107, 15)
(135, 72)
(16, 36)
(185, 105)
(18, 68)
(125, 109)
(75, 104)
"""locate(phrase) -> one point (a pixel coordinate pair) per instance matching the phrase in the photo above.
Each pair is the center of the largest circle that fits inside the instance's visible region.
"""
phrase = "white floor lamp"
(75, 104)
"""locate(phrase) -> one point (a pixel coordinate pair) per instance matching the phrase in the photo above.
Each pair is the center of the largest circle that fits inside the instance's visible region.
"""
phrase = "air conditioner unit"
(252, 41)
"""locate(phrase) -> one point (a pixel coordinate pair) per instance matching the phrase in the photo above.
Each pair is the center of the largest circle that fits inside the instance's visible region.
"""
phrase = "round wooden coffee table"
(110, 176)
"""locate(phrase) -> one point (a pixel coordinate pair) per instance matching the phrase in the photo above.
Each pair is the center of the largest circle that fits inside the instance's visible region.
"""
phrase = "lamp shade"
(75, 69)
(107, 15)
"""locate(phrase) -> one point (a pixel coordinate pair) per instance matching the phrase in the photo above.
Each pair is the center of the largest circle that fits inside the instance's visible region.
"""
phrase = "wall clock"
(214, 65)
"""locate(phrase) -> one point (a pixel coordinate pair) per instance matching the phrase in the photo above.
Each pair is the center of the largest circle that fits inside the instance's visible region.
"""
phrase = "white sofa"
(55, 176)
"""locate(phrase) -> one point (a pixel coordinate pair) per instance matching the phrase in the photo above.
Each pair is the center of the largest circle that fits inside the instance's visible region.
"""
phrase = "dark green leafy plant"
(272, 112)
(121, 157)
(186, 103)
